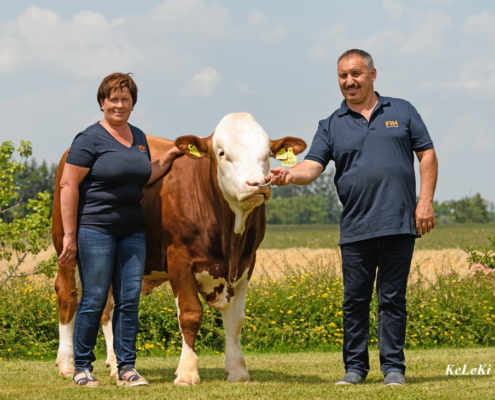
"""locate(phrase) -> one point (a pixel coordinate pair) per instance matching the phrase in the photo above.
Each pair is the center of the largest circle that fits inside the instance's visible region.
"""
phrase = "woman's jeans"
(392, 255)
(105, 259)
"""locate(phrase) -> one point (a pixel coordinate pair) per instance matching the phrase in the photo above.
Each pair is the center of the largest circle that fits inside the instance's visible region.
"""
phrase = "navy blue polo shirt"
(110, 193)
(374, 166)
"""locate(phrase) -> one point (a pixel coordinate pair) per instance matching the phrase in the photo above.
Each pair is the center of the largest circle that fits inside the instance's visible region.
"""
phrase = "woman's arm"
(162, 165)
(69, 199)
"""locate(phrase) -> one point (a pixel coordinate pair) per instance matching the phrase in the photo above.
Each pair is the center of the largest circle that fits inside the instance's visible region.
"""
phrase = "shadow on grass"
(166, 375)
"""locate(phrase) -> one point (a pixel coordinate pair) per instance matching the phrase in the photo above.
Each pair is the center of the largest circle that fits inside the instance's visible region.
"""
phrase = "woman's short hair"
(117, 80)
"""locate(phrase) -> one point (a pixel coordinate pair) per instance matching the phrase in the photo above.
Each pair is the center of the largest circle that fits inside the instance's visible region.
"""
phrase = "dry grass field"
(429, 261)
(273, 260)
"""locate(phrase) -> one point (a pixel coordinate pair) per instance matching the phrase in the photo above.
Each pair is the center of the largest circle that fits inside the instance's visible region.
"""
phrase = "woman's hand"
(162, 165)
(69, 250)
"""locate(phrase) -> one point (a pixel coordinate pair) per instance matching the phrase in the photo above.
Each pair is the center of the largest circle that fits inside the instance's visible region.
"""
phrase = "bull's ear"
(193, 146)
(297, 145)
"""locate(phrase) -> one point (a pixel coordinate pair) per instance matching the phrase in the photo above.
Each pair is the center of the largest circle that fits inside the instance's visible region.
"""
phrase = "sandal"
(130, 377)
(86, 377)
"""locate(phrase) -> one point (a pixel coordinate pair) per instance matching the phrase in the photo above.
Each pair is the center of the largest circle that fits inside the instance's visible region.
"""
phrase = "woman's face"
(118, 106)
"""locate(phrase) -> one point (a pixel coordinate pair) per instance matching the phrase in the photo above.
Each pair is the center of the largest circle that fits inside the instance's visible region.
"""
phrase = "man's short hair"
(363, 54)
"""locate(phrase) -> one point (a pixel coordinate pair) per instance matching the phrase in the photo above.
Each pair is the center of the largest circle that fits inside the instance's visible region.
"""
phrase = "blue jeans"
(105, 259)
(392, 255)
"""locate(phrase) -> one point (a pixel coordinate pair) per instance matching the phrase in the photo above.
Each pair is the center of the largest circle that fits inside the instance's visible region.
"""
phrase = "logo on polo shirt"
(392, 124)
(142, 148)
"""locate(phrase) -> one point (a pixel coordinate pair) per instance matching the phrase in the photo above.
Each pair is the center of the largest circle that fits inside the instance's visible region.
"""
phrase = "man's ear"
(193, 146)
(297, 145)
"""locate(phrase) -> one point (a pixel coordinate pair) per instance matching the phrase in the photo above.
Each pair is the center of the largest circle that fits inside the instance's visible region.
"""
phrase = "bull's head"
(241, 150)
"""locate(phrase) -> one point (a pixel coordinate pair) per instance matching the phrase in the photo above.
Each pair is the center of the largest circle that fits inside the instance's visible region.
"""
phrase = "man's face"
(355, 80)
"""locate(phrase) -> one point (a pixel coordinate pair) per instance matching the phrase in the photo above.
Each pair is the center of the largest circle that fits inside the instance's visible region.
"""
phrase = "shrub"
(300, 310)
(484, 257)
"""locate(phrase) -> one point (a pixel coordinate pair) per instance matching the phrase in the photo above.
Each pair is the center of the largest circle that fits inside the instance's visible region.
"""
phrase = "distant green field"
(327, 236)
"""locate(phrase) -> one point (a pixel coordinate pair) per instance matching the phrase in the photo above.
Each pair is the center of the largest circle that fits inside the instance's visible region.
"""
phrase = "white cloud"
(469, 132)
(423, 36)
(394, 9)
(68, 109)
(481, 27)
(440, 2)
(204, 83)
(427, 34)
(264, 30)
(474, 72)
(89, 45)
(327, 40)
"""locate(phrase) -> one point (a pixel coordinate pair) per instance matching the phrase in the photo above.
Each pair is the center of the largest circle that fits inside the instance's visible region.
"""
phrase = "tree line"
(316, 203)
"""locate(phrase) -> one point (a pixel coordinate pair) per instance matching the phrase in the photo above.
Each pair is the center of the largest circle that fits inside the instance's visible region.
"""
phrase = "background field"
(303, 244)
(452, 236)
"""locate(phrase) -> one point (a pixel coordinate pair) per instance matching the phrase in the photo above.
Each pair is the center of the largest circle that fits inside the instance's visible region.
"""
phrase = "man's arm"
(302, 173)
(428, 171)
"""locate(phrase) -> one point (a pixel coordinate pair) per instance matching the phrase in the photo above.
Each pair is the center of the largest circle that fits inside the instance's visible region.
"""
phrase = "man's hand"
(425, 217)
(280, 176)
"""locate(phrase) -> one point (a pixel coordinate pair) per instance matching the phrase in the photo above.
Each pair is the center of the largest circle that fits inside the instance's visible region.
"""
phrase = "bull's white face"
(242, 152)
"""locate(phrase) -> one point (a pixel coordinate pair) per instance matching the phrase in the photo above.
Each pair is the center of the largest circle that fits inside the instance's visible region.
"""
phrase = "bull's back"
(158, 146)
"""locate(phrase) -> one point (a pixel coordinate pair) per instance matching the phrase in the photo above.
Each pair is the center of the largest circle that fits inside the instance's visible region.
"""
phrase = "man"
(372, 140)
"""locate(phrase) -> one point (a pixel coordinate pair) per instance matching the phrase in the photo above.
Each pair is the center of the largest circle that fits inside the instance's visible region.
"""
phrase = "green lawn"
(273, 376)
(327, 236)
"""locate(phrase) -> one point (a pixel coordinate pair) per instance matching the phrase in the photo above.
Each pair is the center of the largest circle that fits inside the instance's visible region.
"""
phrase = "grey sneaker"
(350, 378)
(394, 379)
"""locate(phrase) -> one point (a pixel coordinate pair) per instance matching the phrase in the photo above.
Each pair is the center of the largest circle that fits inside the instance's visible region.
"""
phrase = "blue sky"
(195, 61)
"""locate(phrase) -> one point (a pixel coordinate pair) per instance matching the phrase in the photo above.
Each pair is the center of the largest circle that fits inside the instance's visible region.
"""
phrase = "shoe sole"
(131, 384)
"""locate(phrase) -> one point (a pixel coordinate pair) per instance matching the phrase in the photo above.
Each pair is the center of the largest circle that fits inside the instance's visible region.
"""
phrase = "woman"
(102, 185)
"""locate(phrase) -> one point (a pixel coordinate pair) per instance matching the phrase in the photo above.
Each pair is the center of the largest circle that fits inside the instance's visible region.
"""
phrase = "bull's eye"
(221, 154)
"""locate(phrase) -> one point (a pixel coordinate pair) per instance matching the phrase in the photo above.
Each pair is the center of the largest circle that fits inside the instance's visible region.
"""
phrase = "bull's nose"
(263, 181)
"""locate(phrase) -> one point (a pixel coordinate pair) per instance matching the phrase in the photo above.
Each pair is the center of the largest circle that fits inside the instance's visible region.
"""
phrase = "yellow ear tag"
(291, 159)
(282, 154)
(193, 150)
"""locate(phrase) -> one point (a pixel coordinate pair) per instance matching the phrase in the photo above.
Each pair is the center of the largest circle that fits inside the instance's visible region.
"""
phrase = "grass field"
(273, 376)
(455, 236)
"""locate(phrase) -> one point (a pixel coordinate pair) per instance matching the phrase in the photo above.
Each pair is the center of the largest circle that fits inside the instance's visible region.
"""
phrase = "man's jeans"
(392, 255)
(105, 259)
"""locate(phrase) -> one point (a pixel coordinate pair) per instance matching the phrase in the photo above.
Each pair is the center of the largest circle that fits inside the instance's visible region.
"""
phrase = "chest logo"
(142, 148)
(392, 124)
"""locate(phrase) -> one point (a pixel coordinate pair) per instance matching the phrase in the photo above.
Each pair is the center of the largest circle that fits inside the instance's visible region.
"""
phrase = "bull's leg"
(67, 294)
(233, 319)
(190, 313)
(106, 325)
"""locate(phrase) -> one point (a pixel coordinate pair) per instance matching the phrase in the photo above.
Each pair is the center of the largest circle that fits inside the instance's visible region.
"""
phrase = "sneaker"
(350, 378)
(394, 379)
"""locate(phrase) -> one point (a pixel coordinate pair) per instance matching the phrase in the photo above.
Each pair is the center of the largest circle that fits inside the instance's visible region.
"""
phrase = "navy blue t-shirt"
(110, 194)
(374, 166)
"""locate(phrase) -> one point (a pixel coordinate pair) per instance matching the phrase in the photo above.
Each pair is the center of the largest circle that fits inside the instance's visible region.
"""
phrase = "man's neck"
(366, 107)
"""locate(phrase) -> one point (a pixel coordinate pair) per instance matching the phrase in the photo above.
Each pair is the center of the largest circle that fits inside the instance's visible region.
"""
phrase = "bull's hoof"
(66, 373)
(187, 379)
(238, 376)
(113, 368)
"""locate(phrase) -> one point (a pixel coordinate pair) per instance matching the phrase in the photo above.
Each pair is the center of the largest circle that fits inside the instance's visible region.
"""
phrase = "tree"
(31, 179)
(316, 203)
(466, 210)
(21, 235)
